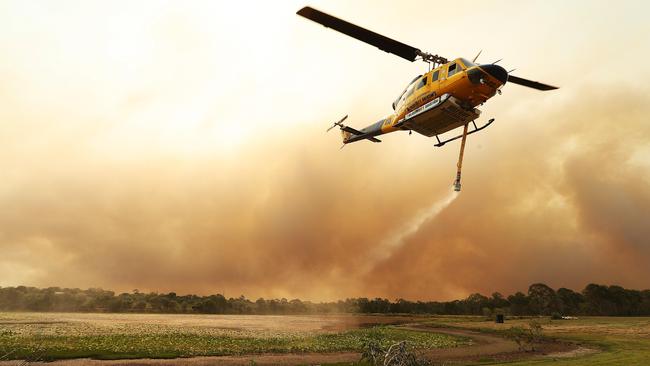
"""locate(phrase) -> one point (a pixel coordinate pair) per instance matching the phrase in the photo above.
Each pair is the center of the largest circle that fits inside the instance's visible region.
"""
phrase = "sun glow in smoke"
(393, 242)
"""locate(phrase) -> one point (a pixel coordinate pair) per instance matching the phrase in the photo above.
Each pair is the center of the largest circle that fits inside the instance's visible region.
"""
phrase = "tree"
(519, 304)
(597, 300)
(476, 302)
(208, 306)
(543, 300)
(569, 301)
(498, 301)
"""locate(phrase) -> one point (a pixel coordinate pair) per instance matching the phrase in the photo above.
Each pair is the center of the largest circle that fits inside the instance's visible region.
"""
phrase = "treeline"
(539, 300)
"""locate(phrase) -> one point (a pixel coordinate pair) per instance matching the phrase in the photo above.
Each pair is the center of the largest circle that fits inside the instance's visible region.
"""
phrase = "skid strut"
(476, 129)
(460, 159)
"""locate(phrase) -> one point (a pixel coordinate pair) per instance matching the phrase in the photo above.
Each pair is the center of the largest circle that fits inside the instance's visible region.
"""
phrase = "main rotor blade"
(383, 43)
(529, 83)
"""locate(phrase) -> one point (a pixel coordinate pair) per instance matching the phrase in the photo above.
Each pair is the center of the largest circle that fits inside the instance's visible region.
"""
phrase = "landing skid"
(476, 129)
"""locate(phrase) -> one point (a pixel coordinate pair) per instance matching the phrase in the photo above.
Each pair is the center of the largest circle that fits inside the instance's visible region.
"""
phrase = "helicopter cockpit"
(453, 68)
(406, 91)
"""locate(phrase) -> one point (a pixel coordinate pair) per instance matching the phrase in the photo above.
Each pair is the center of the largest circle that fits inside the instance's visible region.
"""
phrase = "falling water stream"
(394, 241)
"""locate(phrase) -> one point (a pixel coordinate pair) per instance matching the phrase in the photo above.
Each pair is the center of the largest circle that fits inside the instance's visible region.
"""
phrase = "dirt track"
(484, 346)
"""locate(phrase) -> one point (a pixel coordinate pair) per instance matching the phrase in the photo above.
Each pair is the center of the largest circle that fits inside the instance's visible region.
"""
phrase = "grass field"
(115, 336)
(608, 340)
(619, 340)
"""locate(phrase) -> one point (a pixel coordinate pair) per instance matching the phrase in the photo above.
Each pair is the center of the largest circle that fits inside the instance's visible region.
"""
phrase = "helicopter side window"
(434, 77)
(409, 93)
(422, 82)
(453, 68)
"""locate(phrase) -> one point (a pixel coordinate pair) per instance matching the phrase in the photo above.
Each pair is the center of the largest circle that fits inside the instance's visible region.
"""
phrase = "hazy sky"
(180, 146)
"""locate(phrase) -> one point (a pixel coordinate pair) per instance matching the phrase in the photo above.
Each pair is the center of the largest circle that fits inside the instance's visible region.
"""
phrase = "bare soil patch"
(577, 352)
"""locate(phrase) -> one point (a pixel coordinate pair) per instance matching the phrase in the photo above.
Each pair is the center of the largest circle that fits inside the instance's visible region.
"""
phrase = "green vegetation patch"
(117, 346)
(613, 340)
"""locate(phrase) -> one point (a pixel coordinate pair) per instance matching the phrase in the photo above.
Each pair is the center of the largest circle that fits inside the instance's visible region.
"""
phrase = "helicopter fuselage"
(440, 100)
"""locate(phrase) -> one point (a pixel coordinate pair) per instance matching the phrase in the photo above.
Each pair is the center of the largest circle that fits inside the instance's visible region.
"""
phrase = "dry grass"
(108, 336)
(260, 326)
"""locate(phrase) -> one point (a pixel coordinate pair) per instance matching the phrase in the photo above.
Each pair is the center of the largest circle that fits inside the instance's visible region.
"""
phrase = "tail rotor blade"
(339, 123)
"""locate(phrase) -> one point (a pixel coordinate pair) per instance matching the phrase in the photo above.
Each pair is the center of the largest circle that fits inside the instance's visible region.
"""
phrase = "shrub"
(398, 354)
(526, 338)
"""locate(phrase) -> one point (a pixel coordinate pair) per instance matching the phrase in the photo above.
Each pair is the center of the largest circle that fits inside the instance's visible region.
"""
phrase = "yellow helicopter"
(436, 102)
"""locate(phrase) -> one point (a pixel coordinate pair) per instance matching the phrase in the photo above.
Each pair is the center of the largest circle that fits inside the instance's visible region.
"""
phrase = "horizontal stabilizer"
(351, 130)
(350, 137)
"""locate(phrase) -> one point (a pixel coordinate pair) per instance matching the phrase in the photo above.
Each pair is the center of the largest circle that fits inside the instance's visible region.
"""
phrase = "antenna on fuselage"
(477, 55)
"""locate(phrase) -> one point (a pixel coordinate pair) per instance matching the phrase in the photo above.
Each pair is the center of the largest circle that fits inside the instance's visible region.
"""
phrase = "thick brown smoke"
(561, 198)
(181, 147)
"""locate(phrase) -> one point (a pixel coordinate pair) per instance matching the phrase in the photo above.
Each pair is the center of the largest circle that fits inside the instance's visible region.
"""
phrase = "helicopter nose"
(496, 71)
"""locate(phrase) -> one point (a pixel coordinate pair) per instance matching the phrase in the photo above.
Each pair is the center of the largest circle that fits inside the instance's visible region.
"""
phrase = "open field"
(113, 336)
(236, 340)
(599, 340)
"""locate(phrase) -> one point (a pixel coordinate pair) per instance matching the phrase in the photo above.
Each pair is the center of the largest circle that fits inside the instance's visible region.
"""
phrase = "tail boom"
(349, 134)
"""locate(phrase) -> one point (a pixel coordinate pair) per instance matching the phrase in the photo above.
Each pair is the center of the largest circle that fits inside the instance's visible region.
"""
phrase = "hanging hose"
(460, 159)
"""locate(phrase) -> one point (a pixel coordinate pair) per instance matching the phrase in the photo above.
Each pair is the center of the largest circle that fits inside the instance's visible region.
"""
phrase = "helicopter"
(438, 101)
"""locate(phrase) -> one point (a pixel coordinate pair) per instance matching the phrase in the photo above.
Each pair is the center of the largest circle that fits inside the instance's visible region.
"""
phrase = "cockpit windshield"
(410, 86)
(414, 79)
(467, 62)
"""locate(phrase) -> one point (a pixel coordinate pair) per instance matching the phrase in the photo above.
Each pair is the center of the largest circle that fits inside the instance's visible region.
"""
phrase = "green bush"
(526, 338)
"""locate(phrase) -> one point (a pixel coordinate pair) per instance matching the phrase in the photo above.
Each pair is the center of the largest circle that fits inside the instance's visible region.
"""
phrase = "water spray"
(394, 241)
